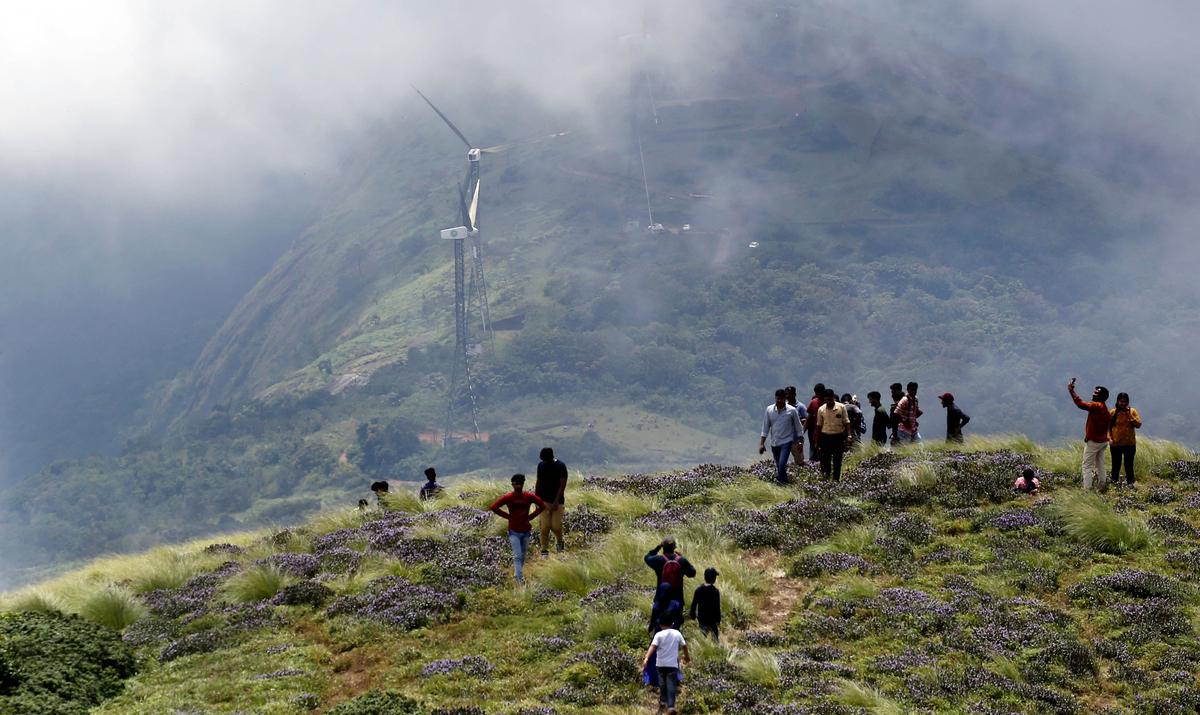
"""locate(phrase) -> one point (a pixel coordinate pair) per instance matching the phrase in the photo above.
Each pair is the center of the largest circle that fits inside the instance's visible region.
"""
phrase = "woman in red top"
(518, 515)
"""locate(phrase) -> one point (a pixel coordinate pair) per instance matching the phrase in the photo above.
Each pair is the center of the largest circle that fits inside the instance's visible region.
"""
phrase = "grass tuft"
(1088, 519)
(758, 666)
(257, 583)
(113, 608)
(855, 695)
(34, 602)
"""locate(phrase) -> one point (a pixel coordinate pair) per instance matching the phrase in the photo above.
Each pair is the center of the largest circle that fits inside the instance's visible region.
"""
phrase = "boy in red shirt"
(518, 515)
(1095, 435)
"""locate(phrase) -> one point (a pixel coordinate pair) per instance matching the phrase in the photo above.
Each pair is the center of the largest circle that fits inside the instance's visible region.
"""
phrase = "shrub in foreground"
(51, 664)
(378, 703)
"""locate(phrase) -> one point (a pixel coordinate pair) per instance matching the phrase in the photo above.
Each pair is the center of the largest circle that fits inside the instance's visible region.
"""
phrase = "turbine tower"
(474, 296)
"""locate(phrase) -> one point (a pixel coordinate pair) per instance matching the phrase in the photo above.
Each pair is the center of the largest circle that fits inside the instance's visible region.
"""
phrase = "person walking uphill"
(706, 604)
(670, 650)
(518, 515)
(551, 486)
(782, 422)
(1095, 435)
(814, 404)
(833, 429)
(1123, 420)
(670, 567)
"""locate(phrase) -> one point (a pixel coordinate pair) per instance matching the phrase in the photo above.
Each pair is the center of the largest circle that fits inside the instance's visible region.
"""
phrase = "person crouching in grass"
(518, 515)
(670, 650)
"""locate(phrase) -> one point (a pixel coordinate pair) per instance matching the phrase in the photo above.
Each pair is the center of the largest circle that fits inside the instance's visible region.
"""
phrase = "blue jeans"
(782, 452)
(519, 540)
(668, 686)
(903, 435)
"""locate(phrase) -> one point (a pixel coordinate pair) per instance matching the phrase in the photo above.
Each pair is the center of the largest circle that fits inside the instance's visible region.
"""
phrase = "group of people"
(833, 426)
(547, 502)
(1112, 430)
(661, 666)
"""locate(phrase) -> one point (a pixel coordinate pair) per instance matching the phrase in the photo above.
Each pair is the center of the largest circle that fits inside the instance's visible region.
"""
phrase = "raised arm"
(1078, 402)
(1134, 418)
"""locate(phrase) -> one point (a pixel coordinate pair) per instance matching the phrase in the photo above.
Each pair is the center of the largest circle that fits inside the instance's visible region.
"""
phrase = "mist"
(156, 159)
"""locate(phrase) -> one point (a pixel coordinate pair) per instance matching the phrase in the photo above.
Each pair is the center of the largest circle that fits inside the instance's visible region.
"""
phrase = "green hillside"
(918, 583)
(915, 215)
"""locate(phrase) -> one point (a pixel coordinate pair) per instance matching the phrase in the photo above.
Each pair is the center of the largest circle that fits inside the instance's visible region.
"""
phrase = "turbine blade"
(467, 216)
(474, 210)
(444, 118)
(505, 147)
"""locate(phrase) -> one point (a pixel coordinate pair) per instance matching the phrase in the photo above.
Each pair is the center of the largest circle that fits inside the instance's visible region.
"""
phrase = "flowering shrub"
(338, 559)
(673, 486)
(586, 522)
(201, 642)
(222, 549)
(304, 593)
(1173, 526)
(463, 518)
(294, 564)
(150, 630)
(1013, 519)
(555, 644)
(473, 666)
(613, 664)
(375, 703)
(902, 662)
(911, 528)
(1127, 582)
(813, 565)
(397, 602)
(610, 597)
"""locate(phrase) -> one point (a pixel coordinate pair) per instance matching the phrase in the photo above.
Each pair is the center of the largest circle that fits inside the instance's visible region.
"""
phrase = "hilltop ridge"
(919, 582)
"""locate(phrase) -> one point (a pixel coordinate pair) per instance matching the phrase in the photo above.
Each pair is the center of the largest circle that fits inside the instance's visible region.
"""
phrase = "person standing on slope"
(670, 567)
(518, 515)
(782, 423)
(897, 395)
(1123, 420)
(907, 412)
(551, 486)
(956, 419)
(1095, 435)
(814, 404)
(880, 421)
(798, 445)
(834, 431)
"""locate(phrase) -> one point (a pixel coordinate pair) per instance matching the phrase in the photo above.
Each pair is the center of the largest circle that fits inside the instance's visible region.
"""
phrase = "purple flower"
(472, 666)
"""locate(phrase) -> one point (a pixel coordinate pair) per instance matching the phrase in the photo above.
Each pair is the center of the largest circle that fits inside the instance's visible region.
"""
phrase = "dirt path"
(782, 595)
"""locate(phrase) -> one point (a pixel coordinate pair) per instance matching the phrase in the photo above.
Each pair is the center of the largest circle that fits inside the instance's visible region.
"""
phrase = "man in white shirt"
(667, 646)
(782, 423)
(833, 429)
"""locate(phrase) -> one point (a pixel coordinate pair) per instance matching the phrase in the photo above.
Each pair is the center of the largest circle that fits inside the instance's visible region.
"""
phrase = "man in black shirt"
(706, 604)
(676, 573)
(897, 395)
(881, 421)
(551, 486)
(956, 419)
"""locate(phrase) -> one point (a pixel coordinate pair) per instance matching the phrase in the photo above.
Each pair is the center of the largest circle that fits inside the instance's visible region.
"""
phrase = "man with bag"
(670, 567)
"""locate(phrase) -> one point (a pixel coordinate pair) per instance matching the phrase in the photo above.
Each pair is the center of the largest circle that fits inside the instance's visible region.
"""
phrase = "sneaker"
(546, 553)
(561, 548)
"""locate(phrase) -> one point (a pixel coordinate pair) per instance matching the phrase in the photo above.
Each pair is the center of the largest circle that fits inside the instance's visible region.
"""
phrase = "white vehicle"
(656, 228)
(753, 244)
(686, 227)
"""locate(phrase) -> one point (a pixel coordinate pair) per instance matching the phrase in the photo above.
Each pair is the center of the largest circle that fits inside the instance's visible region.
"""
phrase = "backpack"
(672, 571)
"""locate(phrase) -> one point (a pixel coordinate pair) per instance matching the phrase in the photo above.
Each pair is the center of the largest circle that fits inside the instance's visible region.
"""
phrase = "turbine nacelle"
(459, 233)
(473, 155)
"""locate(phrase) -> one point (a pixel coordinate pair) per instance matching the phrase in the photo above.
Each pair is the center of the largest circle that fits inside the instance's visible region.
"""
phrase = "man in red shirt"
(1095, 435)
(518, 515)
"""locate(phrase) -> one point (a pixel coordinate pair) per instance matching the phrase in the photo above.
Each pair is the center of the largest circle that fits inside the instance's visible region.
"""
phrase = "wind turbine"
(468, 194)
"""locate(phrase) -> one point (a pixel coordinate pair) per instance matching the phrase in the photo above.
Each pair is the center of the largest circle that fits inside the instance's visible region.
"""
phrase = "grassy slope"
(1078, 651)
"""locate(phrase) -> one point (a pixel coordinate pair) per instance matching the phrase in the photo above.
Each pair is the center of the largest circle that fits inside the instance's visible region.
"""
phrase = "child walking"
(706, 604)
(670, 649)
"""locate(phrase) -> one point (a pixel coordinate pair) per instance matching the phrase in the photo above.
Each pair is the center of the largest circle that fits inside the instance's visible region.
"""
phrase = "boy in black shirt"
(706, 604)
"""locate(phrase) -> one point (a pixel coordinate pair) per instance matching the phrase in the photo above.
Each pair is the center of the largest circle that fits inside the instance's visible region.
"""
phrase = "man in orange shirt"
(1095, 435)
